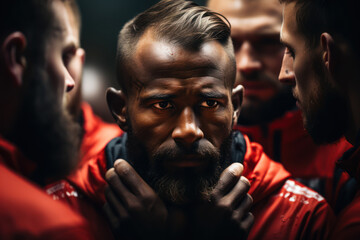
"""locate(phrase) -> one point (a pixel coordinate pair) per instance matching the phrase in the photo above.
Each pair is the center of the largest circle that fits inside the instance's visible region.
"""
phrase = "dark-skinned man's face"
(180, 116)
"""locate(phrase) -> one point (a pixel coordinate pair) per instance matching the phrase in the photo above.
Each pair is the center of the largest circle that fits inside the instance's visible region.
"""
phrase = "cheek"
(56, 73)
(150, 128)
(217, 127)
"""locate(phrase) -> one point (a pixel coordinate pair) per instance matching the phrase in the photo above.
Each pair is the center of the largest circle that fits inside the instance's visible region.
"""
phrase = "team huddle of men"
(235, 120)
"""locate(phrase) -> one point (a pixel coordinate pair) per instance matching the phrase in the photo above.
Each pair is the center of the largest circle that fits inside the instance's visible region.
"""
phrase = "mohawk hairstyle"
(180, 22)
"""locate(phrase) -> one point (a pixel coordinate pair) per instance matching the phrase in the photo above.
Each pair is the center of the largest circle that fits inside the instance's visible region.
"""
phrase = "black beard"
(269, 110)
(328, 123)
(327, 113)
(183, 187)
(43, 131)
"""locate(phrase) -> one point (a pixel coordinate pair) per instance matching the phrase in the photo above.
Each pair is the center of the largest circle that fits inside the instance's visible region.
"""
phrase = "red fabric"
(26, 212)
(97, 133)
(70, 190)
(298, 153)
(348, 223)
(283, 208)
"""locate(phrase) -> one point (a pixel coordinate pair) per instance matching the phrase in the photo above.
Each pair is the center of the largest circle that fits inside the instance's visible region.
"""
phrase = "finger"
(247, 223)
(115, 204)
(120, 190)
(237, 194)
(243, 209)
(229, 177)
(132, 179)
(112, 218)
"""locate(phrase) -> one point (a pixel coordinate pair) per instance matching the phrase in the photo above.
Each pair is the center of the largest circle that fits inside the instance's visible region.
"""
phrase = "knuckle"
(225, 205)
(135, 207)
(148, 200)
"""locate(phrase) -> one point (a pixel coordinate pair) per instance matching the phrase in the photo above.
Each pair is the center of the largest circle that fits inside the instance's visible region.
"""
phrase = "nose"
(69, 82)
(247, 60)
(187, 130)
(287, 75)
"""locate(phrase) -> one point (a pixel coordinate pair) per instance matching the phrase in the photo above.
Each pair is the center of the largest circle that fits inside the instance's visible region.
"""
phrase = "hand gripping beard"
(183, 185)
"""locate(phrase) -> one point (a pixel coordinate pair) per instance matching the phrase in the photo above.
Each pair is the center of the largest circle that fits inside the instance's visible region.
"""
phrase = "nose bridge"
(287, 74)
(247, 59)
(187, 129)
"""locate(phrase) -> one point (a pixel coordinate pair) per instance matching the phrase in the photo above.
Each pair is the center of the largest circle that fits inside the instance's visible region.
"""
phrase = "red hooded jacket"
(348, 223)
(283, 208)
(95, 137)
(285, 140)
(26, 212)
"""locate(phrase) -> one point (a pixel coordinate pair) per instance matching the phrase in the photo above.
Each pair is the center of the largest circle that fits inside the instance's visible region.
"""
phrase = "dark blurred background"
(101, 22)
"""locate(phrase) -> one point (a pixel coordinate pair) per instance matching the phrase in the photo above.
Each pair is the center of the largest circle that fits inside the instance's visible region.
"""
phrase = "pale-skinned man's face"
(255, 29)
(45, 132)
(181, 112)
(320, 101)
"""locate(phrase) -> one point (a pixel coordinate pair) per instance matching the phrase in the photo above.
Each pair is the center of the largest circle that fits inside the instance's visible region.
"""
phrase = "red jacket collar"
(13, 158)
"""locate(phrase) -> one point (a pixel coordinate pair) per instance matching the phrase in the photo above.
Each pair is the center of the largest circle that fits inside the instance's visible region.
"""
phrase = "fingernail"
(245, 180)
(236, 169)
(118, 161)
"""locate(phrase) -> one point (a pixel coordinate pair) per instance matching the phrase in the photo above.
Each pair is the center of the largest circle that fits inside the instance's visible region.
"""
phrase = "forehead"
(65, 25)
(289, 29)
(249, 16)
(159, 58)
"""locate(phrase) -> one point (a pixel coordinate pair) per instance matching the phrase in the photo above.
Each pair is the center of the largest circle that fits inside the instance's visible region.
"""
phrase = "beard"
(44, 132)
(184, 186)
(328, 123)
(326, 116)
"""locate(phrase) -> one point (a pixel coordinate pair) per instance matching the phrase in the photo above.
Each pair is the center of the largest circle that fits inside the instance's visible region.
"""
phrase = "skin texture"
(318, 95)
(74, 59)
(183, 103)
(60, 40)
(255, 28)
(47, 137)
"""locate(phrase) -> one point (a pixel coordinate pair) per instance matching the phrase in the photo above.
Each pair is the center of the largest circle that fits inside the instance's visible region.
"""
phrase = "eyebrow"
(159, 96)
(212, 95)
(162, 96)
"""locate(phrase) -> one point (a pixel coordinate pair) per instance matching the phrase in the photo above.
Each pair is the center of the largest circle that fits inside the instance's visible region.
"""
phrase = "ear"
(328, 51)
(237, 99)
(12, 50)
(117, 103)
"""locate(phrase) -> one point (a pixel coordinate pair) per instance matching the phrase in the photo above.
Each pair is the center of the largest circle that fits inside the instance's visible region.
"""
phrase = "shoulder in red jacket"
(283, 208)
(26, 212)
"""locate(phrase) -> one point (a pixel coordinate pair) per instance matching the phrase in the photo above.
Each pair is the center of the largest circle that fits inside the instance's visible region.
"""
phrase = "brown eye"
(209, 103)
(163, 105)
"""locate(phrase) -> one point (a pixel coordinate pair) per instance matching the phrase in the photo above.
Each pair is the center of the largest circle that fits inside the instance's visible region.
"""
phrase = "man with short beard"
(94, 134)
(269, 114)
(322, 49)
(180, 172)
(38, 140)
